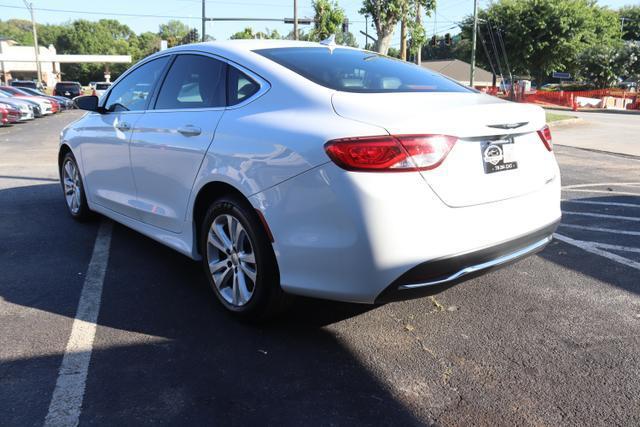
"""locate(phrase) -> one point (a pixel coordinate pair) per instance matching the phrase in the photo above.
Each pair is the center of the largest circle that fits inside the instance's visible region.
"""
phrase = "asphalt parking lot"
(553, 339)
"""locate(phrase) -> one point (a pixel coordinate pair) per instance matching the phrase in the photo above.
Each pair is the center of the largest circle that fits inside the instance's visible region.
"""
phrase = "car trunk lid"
(489, 130)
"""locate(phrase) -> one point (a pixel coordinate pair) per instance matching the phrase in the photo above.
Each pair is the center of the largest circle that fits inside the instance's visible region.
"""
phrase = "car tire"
(73, 188)
(239, 261)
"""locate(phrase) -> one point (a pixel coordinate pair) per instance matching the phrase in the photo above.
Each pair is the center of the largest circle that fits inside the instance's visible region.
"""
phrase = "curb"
(594, 110)
(566, 122)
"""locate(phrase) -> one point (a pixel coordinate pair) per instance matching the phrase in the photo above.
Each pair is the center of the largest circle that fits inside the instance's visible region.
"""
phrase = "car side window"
(193, 81)
(132, 92)
(239, 86)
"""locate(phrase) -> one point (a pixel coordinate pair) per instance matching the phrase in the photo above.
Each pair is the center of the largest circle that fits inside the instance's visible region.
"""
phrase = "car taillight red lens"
(545, 136)
(390, 153)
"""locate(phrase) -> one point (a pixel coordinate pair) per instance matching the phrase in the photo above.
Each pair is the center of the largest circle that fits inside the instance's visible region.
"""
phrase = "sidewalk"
(601, 131)
(590, 110)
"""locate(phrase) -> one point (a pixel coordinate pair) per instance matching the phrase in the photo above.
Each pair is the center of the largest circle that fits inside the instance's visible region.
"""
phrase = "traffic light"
(345, 25)
(433, 41)
(447, 39)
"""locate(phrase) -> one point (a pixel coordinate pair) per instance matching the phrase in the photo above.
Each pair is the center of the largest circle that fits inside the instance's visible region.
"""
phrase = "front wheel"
(239, 261)
(73, 188)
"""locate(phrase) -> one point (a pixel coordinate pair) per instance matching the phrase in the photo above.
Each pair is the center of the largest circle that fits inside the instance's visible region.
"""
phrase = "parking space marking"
(603, 230)
(593, 202)
(616, 193)
(602, 184)
(66, 402)
(597, 215)
(595, 248)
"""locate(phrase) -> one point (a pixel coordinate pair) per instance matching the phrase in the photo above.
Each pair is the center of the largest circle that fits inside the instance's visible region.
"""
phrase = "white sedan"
(299, 168)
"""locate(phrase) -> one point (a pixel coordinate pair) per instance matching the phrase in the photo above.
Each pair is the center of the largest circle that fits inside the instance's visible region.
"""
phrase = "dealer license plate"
(498, 156)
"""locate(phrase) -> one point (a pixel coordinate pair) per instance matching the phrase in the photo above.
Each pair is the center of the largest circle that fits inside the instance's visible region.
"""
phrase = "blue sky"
(447, 13)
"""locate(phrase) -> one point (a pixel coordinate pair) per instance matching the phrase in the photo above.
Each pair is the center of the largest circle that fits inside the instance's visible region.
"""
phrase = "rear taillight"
(545, 136)
(390, 153)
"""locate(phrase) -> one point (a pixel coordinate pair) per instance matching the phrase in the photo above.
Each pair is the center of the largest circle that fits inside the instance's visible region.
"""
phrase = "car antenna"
(330, 42)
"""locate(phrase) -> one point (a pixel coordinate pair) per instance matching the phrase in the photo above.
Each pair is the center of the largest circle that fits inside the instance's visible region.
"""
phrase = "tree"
(600, 65)
(542, 36)
(628, 59)
(387, 13)
(328, 19)
(630, 17)
(248, 33)
(174, 32)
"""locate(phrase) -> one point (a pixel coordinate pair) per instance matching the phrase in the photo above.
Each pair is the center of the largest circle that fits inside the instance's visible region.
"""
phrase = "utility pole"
(204, 20)
(473, 42)
(35, 39)
(295, 19)
(366, 30)
(418, 47)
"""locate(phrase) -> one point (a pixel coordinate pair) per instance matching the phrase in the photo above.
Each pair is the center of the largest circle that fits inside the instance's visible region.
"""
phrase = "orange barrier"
(568, 98)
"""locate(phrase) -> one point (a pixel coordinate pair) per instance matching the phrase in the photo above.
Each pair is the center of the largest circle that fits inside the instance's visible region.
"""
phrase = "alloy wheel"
(231, 259)
(72, 189)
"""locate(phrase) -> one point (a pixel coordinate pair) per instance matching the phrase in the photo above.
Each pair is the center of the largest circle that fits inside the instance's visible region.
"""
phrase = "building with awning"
(459, 70)
(19, 62)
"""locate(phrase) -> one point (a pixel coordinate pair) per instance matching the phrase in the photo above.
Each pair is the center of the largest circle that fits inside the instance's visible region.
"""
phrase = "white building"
(19, 62)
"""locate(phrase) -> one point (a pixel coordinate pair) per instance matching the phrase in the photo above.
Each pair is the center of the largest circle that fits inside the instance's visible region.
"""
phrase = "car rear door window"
(193, 81)
(240, 87)
(133, 91)
(352, 70)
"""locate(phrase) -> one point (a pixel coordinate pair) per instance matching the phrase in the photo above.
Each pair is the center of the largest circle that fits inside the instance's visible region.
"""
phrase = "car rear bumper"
(349, 236)
(437, 275)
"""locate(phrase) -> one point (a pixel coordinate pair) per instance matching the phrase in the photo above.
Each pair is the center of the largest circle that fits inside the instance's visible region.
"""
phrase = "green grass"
(553, 117)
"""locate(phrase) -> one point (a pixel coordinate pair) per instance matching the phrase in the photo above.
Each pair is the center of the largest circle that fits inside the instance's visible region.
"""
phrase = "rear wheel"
(73, 188)
(239, 261)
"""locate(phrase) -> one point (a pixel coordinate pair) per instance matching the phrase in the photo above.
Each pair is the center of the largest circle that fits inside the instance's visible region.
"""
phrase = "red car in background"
(54, 105)
(8, 114)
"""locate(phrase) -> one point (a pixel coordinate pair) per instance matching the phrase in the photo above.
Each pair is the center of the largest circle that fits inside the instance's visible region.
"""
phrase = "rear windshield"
(24, 84)
(353, 70)
(102, 86)
(67, 86)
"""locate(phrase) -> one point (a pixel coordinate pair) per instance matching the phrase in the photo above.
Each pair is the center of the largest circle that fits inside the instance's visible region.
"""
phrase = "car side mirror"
(87, 102)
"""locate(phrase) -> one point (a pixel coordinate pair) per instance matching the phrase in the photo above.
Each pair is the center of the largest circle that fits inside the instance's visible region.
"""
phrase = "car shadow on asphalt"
(165, 352)
(579, 226)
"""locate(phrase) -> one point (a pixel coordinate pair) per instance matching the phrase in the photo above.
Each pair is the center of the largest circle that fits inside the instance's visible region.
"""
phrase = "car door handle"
(123, 126)
(190, 130)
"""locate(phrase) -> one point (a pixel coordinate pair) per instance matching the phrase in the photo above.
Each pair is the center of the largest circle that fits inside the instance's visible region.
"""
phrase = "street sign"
(561, 76)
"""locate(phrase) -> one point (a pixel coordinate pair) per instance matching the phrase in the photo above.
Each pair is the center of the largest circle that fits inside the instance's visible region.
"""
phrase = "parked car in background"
(302, 168)
(65, 103)
(26, 83)
(8, 114)
(67, 89)
(47, 106)
(29, 109)
(100, 88)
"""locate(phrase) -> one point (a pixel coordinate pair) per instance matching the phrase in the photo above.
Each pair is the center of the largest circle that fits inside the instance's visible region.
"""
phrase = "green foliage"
(628, 59)
(542, 36)
(174, 32)
(248, 33)
(600, 64)
(328, 20)
(387, 13)
(631, 25)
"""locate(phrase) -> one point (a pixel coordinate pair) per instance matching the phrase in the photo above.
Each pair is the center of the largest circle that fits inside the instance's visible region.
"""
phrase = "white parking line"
(596, 215)
(592, 202)
(604, 230)
(66, 402)
(602, 184)
(616, 193)
(594, 249)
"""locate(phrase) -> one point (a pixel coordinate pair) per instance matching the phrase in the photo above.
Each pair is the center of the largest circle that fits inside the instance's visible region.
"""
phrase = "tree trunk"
(384, 41)
(403, 40)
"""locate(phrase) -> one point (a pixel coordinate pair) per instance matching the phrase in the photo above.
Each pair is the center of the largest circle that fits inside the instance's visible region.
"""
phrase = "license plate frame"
(499, 155)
